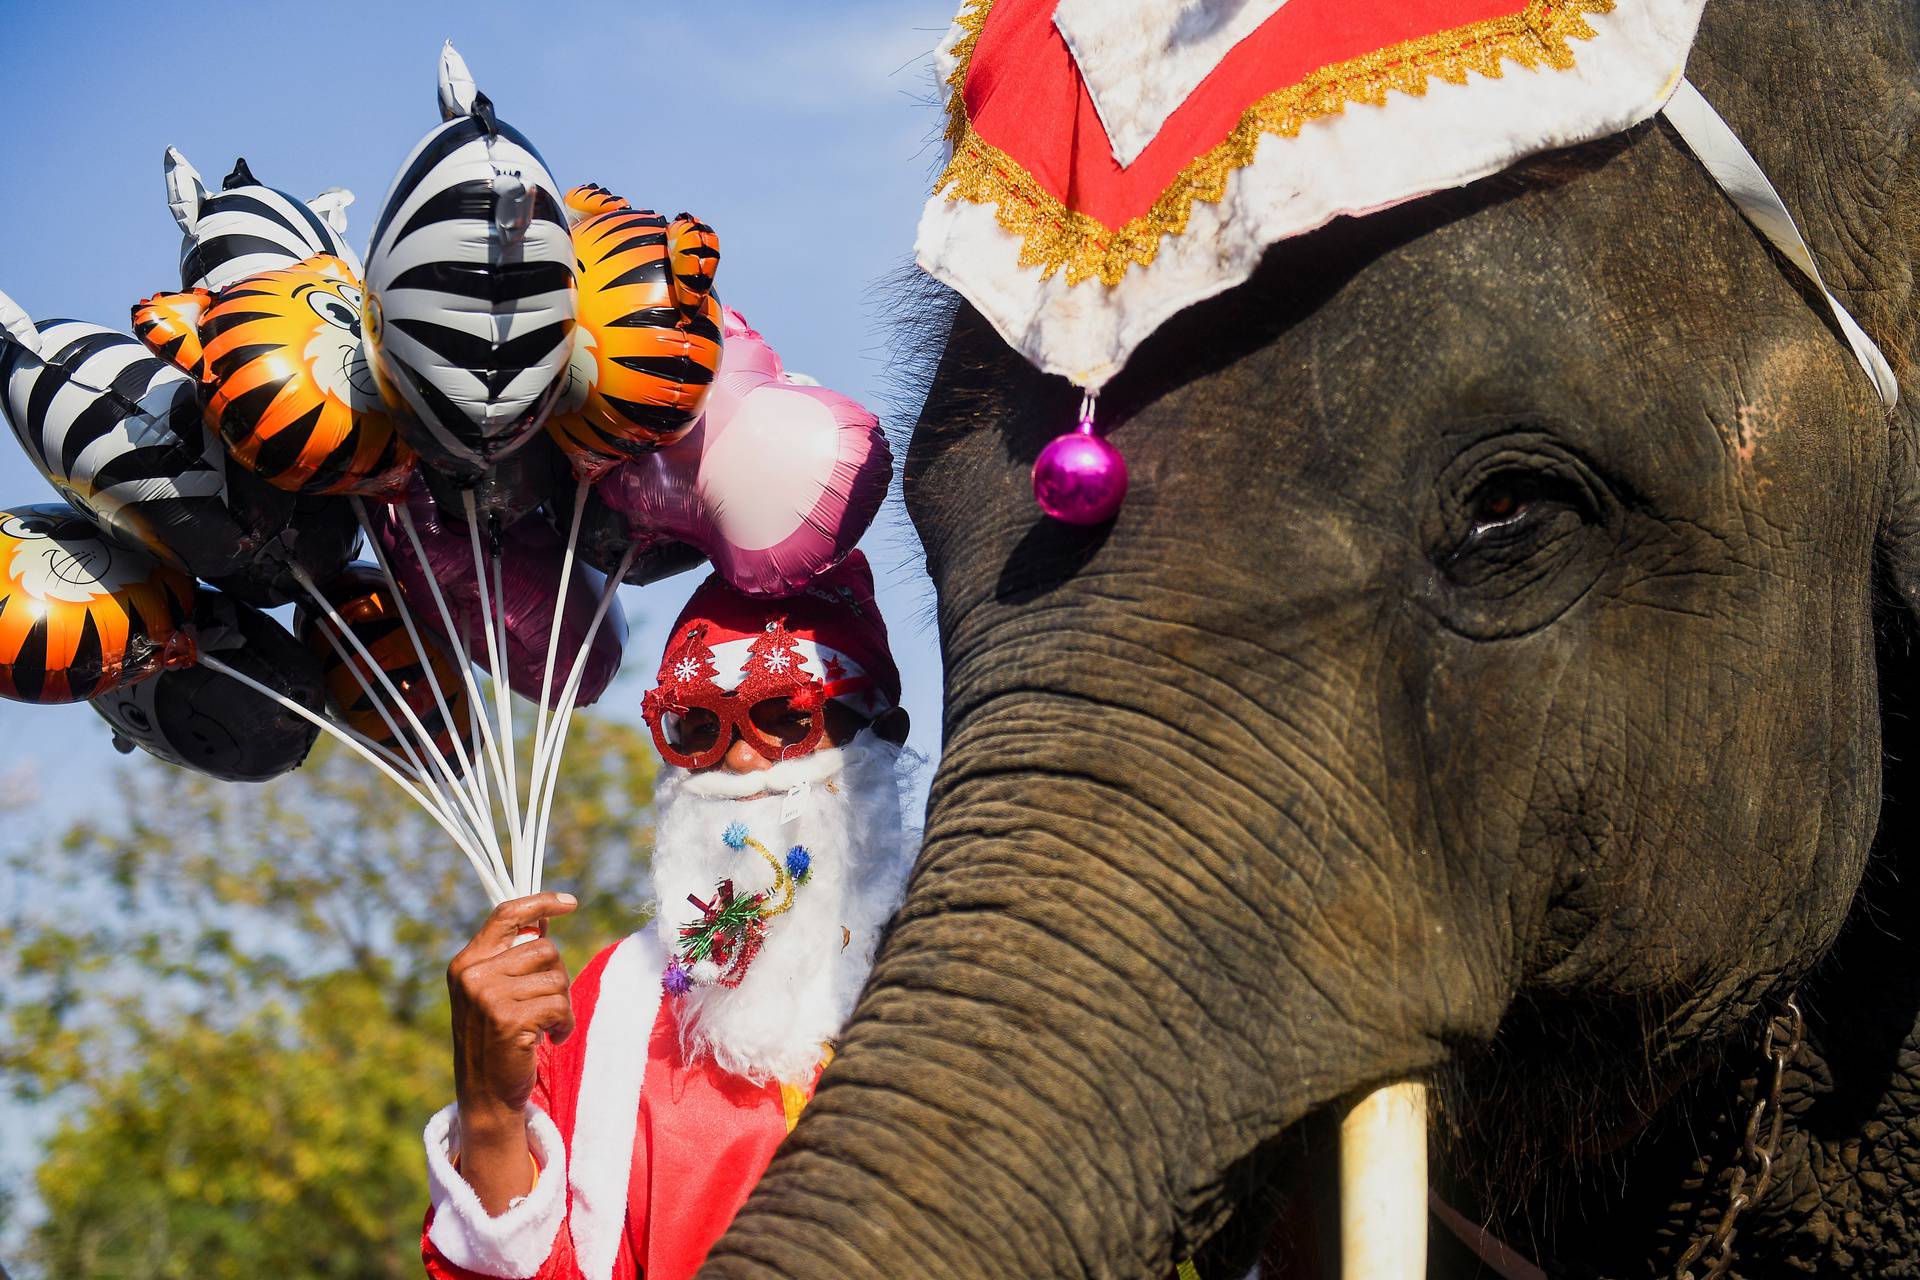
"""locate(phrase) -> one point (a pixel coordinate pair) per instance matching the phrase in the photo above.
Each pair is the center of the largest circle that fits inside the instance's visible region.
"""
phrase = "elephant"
(1502, 674)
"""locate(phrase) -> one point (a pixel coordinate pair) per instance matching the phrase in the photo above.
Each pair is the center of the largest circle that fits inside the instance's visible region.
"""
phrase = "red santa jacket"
(644, 1158)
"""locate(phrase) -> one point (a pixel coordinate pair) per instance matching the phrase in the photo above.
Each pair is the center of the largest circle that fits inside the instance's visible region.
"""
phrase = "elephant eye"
(1521, 531)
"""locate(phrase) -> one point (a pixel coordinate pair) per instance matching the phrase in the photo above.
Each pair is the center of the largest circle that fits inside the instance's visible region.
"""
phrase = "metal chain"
(1753, 1173)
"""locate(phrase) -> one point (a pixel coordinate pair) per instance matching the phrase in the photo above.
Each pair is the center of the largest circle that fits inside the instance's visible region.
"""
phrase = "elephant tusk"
(1383, 1185)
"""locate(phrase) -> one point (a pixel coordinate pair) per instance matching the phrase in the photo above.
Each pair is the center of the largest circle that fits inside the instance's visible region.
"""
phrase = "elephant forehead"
(764, 475)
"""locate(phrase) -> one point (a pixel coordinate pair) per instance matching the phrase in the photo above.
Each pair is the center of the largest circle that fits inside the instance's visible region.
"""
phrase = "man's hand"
(505, 998)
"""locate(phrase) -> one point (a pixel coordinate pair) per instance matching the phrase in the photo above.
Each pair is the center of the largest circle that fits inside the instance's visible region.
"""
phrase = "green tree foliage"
(236, 998)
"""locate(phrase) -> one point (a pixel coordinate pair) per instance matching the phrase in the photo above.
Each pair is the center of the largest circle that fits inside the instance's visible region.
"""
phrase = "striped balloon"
(470, 288)
(246, 228)
(365, 602)
(120, 434)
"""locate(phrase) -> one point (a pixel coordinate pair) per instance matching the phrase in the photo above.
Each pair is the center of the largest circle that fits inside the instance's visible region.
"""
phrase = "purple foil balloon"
(531, 557)
(776, 483)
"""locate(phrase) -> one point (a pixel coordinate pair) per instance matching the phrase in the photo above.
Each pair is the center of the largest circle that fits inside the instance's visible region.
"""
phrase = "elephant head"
(1485, 682)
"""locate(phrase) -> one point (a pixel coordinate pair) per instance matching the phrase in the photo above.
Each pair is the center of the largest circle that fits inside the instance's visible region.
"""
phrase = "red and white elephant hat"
(1114, 162)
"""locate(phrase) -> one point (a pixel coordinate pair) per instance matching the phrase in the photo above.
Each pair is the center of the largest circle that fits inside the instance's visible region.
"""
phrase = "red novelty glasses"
(777, 709)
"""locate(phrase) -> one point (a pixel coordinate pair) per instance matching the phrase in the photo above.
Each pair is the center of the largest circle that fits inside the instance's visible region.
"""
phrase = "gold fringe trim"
(1056, 238)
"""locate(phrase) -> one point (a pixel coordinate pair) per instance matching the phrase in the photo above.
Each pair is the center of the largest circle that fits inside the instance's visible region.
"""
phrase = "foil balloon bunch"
(522, 399)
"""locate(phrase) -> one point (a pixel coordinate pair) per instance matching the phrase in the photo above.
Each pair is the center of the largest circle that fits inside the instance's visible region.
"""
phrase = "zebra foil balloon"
(470, 283)
(365, 602)
(80, 614)
(246, 228)
(118, 432)
(204, 720)
(648, 342)
(284, 376)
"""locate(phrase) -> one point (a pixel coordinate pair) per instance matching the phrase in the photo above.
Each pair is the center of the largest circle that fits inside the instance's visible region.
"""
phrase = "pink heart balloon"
(776, 483)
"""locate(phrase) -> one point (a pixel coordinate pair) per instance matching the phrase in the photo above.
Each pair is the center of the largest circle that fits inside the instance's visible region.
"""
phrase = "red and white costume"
(653, 1121)
(667, 1156)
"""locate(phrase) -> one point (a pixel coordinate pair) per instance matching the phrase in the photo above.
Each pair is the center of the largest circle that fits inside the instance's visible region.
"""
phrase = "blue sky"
(802, 131)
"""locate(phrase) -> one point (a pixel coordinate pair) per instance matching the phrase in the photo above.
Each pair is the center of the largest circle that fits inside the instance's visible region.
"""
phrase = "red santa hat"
(838, 639)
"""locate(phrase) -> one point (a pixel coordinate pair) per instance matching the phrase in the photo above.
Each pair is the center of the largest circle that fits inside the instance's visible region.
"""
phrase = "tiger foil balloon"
(365, 602)
(649, 337)
(285, 379)
(80, 614)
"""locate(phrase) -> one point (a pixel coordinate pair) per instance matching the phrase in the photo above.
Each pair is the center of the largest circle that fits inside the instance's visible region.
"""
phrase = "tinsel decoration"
(719, 946)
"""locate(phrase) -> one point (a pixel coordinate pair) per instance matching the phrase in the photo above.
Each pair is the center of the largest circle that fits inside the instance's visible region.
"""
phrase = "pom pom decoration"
(199, 719)
(799, 863)
(246, 227)
(362, 698)
(285, 378)
(776, 484)
(470, 283)
(80, 614)
(735, 836)
(649, 337)
(1079, 478)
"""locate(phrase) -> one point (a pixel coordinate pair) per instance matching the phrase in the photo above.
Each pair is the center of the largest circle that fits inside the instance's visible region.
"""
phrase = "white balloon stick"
(462, 652)
(549, 769)
(478, 809)
(493, 887)
(346, 632)
(509, 779)
(542, 711)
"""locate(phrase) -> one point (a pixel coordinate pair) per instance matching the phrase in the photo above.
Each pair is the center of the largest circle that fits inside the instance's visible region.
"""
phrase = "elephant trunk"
(1122, 968)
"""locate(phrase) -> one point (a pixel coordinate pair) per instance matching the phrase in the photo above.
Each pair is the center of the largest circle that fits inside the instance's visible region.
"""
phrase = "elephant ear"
(185, 192)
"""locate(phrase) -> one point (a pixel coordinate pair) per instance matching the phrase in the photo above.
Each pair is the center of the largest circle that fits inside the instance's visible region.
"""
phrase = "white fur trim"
(1363, 159)
(609, 1104)
(516, 1244)
(1181, 40)
(724, 784)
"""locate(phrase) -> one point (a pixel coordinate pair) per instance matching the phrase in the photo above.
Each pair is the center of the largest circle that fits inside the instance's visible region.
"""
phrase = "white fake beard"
(800, 989)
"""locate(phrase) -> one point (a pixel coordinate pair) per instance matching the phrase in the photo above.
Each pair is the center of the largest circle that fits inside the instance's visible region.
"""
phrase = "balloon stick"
(494, 890)
(478, 809)
(463, 652)
(549, 769)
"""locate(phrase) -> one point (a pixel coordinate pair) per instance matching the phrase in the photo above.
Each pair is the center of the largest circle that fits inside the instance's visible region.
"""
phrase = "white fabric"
(1363, 159)
(1724, 156)
(1182, 40)
(514, 1245)
(609, 1105)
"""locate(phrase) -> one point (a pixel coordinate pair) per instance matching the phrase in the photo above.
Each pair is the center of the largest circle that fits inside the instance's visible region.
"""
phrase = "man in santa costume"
(612, 1132)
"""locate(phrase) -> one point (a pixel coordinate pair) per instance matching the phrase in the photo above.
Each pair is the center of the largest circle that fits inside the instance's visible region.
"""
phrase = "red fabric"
(1024, 94)
(836, 610)
(703, 1139)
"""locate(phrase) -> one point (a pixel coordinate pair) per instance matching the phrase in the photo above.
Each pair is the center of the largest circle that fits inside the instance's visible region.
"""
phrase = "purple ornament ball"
(1080, 478)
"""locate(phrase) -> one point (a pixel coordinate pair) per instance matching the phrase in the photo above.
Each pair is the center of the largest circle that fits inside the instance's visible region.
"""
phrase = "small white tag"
(790, 807)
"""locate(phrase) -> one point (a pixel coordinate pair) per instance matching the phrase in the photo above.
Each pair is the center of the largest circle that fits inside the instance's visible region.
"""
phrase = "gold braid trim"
(1055, 237)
